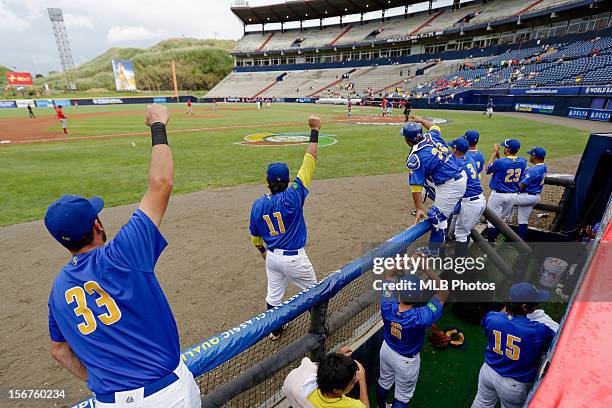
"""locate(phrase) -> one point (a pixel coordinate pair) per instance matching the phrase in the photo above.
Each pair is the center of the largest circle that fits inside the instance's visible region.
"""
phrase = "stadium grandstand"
(412, 49)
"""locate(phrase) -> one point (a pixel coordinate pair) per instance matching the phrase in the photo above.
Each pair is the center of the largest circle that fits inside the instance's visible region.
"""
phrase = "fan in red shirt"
(62, 118)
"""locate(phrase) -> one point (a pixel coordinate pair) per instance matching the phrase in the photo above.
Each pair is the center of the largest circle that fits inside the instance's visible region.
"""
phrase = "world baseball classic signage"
(597, 90)
(18, 78)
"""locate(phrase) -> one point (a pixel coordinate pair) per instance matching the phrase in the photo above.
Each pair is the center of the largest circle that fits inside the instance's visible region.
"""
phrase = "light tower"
(63, 45)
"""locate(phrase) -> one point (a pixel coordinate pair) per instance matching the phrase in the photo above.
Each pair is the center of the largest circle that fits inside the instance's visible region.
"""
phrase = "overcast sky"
(27, 42)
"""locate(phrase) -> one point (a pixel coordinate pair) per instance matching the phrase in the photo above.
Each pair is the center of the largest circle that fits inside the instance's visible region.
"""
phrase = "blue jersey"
(477, 156)
(515, 345)
(473, 179)
(109, 307)
(534, 178)
(405, 331)
(507, 173)
(279, 218)
(432, 160)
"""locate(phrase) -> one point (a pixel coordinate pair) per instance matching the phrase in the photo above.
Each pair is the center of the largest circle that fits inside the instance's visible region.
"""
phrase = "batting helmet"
(412, 131)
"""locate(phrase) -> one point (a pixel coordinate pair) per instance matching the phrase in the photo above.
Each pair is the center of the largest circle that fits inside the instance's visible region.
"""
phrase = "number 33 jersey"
(515, 345)
(108, 305)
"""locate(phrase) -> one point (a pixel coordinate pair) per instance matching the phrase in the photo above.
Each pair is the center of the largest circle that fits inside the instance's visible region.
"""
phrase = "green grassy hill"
(3, 69)
(200, 64)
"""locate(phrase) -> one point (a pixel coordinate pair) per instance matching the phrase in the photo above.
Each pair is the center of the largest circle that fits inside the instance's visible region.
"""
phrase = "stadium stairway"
(335, 40)
(263, 45)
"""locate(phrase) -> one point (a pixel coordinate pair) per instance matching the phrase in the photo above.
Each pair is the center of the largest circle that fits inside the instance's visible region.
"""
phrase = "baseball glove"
(438, 338)
(457, 339)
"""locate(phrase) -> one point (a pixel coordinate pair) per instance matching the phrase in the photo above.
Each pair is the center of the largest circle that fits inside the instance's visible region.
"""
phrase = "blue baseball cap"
(72, 217)
(512, 144)
(472, 136)
(410, 295)
(278, 172)
(460, 144)
(538, 152)
(412, 131)
(527, 293)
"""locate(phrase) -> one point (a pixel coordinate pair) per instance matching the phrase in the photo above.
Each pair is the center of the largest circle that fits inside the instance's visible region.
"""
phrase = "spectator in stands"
(596, 52)
(336, 375)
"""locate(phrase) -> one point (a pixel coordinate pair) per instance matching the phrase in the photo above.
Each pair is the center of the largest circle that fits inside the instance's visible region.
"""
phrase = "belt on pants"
(285, 252)
(534, 194)
(149, 389)
(473, 198)
(504, 192)
(457, 177)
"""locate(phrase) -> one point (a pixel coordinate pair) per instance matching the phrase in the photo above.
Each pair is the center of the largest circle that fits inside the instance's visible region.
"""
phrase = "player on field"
(407, 110)
(31, 114)
(489, 110)
(506, 173)
(277, 220)
(472, 136)
(189, 109)
(214, 102)
(62, 118)
(383, 104)
(530, 187)
(349, 108)
(109, 321)
(405, 327)
(514, 349)
(473, 202)
(430, 160)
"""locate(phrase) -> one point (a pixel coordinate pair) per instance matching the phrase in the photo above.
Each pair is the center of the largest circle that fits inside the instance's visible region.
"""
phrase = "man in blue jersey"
(109, 321)
(405, 327)
(277, 220)
(489, 110)
(473, 202)
(430, 160)
(472, 136)
(530, 187)
(506, 173)
(514, 349)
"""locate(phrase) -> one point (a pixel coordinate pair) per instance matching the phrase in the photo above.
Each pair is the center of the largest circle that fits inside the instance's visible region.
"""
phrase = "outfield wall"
(50, 103)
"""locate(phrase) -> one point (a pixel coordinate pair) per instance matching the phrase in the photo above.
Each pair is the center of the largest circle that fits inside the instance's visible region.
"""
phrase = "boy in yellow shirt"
(337, 374)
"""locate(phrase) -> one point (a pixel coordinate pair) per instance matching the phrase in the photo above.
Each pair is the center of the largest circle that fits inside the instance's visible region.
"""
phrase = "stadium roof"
(300, 10)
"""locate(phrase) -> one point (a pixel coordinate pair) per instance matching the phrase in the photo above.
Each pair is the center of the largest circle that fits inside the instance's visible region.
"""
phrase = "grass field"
(206, 154)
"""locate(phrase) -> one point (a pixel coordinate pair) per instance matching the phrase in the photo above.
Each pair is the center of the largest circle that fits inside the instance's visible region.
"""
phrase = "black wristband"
(158, 134)
(261, 249)
(314, 136)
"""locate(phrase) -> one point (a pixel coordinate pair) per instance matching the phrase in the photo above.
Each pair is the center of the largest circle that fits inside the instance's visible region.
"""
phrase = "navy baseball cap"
(527, 293)
(538, 152)
(72, 217)
(277, 172)
(410, 295)
(412, 131)
(512, 144)
(472, 136)
(460, 144)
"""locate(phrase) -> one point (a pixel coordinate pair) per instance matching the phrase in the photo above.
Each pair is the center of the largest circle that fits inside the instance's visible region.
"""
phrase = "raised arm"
(441, 294)
(161, 169)
(427, 123)
(494, 156)
(307, 169)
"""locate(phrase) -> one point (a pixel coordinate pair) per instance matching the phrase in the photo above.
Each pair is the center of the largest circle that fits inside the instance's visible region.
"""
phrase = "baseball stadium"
(356, 203)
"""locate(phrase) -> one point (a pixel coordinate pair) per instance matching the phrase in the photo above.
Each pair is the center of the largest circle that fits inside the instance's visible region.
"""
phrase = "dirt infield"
(211, 274)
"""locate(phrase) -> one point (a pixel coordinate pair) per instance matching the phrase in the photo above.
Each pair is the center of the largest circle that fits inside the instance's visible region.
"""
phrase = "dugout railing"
(241, 367)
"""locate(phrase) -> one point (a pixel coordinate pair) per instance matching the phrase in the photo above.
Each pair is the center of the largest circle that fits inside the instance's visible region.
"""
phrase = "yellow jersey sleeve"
(257, 241)
(416, 188)
(436, 127)
(307, 170)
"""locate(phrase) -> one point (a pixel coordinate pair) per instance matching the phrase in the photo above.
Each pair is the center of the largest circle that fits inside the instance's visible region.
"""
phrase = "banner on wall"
(7, 104)
(601, 115)
(597, 90)
(18, 78)
(125, 80)
(578, 113)
(534, 108)
(545, 91)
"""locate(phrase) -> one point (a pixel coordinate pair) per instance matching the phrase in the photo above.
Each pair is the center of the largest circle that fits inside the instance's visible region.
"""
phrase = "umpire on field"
(109, 321)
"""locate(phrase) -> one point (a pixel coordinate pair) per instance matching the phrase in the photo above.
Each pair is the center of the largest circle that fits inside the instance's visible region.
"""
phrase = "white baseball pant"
(282, 269)
(492, 387)
(525, 203)
(471, 211)
(501, 204)
(183, 393)
(64, 123)
(489, 111)
(448, 195)
(403, 371)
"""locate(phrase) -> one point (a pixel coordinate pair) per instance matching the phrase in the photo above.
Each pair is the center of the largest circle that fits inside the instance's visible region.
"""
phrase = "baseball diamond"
(330, 204)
